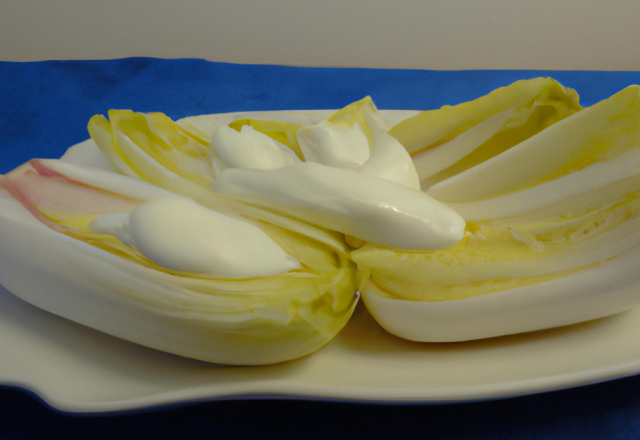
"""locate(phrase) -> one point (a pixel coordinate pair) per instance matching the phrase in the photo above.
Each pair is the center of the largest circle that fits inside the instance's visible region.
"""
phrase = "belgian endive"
(104, 249)
(552, 225)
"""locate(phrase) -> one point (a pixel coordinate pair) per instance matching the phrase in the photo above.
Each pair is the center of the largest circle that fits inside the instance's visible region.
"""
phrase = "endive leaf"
(496, 122)
(430, 162)
(154, 148)
(572, 194)
(356, 113)
(102, 134)
(601, 131)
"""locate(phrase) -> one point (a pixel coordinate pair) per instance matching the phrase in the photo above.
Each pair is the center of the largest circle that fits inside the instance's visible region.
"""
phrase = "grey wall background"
(429, 34)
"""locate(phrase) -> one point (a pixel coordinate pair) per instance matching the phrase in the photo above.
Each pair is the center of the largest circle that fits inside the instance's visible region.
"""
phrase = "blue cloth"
(44, 108)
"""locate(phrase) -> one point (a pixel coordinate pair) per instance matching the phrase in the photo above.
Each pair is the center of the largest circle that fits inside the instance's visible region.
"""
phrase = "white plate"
(75, 368)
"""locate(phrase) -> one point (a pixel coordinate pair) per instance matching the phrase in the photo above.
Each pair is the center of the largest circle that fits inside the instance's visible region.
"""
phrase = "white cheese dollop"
(178, 233)
(335, 145)
(341, 146)
(247, 148)
(389, 159)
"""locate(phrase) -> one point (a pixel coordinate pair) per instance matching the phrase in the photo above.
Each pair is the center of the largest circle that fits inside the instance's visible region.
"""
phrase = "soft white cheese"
(247, 148)
(389, 159)
(334, 144)
(178, 233)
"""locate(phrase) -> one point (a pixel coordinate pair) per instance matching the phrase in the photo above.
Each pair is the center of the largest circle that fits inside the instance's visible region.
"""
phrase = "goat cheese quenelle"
(246, 238)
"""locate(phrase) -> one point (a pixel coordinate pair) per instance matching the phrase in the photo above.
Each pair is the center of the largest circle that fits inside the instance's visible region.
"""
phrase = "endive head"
(561, 200)
(286, 290)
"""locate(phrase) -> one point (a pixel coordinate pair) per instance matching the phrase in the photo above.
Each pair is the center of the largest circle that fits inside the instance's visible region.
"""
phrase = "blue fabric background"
(44, 108)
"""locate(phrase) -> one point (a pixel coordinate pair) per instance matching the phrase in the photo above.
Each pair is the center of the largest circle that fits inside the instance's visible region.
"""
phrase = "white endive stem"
(537, 156)
(434, 160)
(358, 204)
(589, 179)
(109, 181)
(590, 294)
